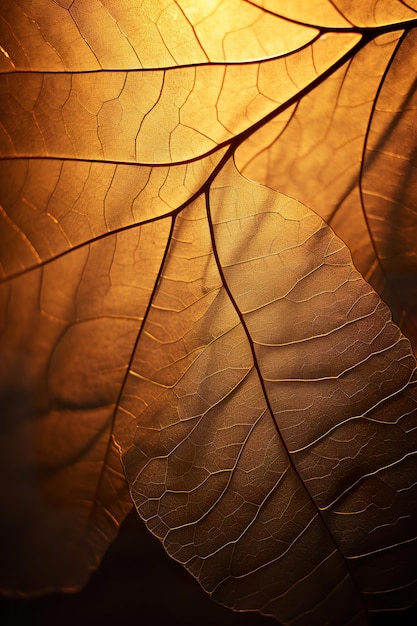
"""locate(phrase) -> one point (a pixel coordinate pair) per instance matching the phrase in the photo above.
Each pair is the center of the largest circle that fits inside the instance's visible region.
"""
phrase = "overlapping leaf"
(262, 398)
(348, 151)
(49, 207)
(257, 442)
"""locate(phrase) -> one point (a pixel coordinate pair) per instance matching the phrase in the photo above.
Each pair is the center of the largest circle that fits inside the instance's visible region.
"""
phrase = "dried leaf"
(352, 159)
(55, 37)
(68, 330)
(156, 303)
(341, 13)
(50, 207)
(259, 455)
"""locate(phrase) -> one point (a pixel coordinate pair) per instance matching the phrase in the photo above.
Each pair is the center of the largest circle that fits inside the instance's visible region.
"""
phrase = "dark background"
(138, 584)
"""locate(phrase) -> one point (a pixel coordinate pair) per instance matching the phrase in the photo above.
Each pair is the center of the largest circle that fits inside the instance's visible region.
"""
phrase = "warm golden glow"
(183, 187)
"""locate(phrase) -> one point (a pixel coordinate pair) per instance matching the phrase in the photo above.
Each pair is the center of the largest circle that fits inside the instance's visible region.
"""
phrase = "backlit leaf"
(181, 114)
(355, 164)
(161, 312)
(68, 329)
(155, 33)
(341, 13)
(259, 456)
(49, 207)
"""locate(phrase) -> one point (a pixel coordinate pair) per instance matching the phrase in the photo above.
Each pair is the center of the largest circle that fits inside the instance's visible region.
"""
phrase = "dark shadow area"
(139, 585)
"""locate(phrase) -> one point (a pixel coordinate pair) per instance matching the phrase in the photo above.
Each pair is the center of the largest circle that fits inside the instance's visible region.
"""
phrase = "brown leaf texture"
(92, 115)
(54, 37)
(68, 329)
(352, 159)
(210, 335)
(259, 458)
(341, 13)
(50, 207)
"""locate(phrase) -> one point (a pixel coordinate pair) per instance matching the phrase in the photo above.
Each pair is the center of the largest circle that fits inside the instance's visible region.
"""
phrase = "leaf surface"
(64, 35)
(157, 304)
(261, 465)
(50, 207)
(98, 115)
(341, 13)
(68, 329)
(357, 169)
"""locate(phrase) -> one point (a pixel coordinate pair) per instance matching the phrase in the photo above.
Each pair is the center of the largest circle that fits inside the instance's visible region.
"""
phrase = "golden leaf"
(215, 333)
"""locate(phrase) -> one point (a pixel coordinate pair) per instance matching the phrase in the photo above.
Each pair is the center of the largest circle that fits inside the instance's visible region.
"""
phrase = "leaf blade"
(72, 345)
(226, 517)
(328, 165)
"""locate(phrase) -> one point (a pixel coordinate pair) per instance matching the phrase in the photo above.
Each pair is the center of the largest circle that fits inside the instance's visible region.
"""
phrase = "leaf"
(214, 332)
(132, 37)
(97, 115)
(342, 13)
(51, 207)
(363, 189)
(68, 331)
(255, 460)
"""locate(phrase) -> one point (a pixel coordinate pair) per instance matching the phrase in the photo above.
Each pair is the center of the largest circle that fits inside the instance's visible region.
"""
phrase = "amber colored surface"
(79, 36)
(341, 13)
(348, 151)
(171, 325)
